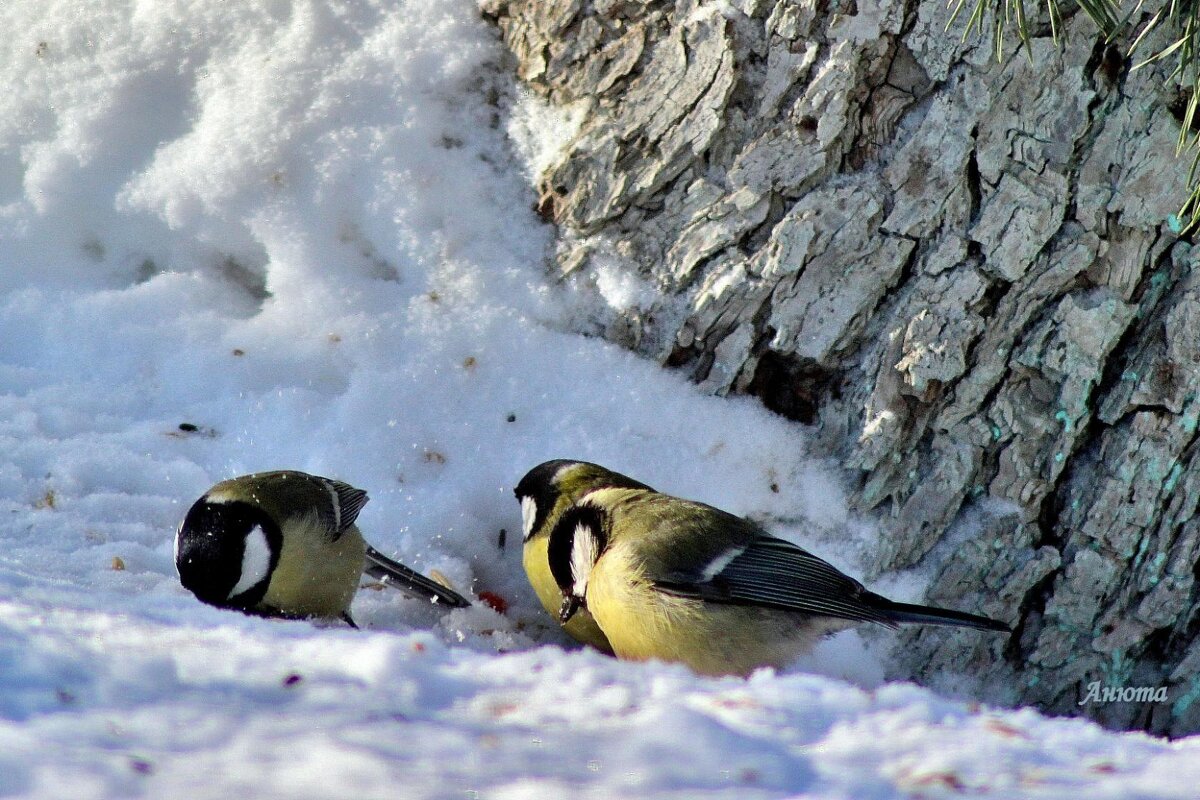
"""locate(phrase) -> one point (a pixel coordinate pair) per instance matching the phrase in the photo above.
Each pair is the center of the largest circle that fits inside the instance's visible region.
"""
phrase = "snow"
(301, 231)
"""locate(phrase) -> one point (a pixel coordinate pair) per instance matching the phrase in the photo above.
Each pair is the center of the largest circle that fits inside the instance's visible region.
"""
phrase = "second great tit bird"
(545, 493)
(284, 544)
(671, 579)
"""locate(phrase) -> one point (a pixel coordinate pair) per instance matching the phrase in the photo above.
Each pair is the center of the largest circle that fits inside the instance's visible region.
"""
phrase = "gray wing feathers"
(349, 501)
(775, 573)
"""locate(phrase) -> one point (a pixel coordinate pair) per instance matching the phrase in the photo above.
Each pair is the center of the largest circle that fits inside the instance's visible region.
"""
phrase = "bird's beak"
(569, 606)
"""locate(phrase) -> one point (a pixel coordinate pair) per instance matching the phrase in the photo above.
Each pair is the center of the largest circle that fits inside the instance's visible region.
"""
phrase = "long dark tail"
(928, 615)
(412, 583)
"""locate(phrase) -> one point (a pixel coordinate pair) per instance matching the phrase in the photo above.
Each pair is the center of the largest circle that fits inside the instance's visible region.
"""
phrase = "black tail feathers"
(410, 582)
(898, 613)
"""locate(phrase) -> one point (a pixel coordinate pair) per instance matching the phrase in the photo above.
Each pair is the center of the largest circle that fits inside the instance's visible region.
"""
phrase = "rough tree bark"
(959, 270)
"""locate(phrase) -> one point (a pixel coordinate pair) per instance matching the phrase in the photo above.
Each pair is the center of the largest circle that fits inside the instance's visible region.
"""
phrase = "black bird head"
(225, 552)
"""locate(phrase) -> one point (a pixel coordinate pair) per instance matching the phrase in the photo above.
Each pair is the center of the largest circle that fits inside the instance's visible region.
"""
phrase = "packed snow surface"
(268, 234)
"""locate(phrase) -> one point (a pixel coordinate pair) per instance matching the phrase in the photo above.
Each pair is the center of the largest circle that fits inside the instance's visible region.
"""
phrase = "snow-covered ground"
(298, 229)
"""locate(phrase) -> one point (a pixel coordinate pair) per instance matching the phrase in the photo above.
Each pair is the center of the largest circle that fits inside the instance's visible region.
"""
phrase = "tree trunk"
(959, 270)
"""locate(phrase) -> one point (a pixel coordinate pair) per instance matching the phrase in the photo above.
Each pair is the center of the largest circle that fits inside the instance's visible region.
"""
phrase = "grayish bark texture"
(958, 270)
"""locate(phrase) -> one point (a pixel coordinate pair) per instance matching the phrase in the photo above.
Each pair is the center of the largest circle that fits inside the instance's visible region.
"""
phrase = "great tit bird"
(284, 544)
(676, 580)
(545, 493)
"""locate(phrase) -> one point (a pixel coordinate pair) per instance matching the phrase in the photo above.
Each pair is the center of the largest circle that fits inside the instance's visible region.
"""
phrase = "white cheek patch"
(585, 550)
(528, 515)
(256, 561)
